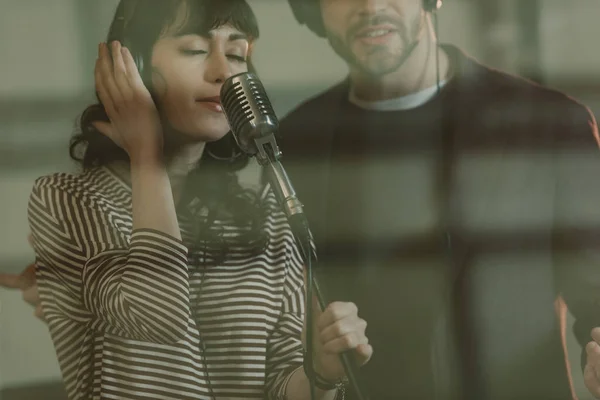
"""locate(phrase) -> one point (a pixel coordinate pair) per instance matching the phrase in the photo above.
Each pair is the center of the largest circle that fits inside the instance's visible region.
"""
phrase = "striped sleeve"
(138, 289)
(284, 352)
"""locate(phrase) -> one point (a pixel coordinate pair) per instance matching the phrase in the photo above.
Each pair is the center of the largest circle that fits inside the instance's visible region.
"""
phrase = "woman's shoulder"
(60, 180)
(89, 186)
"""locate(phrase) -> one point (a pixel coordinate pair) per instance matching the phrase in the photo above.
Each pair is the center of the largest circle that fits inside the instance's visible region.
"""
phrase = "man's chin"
(376, 69)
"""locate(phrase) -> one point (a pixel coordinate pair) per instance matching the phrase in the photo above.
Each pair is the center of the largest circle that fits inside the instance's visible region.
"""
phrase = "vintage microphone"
(254, 124)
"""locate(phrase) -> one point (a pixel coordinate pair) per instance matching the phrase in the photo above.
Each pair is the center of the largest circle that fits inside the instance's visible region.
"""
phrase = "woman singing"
(159, 276)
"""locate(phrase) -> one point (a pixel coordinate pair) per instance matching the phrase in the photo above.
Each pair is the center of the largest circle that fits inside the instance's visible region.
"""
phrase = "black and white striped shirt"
(135, 315)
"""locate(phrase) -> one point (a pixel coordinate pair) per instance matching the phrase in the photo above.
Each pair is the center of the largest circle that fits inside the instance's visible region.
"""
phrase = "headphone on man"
(307, 12)
(432, 6)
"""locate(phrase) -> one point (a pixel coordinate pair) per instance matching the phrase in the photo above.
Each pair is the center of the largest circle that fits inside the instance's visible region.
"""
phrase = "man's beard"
(380, 60)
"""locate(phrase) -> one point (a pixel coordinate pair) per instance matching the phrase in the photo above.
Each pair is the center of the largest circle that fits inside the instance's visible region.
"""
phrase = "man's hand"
(26, 283)
(338, 329)
(591, 373)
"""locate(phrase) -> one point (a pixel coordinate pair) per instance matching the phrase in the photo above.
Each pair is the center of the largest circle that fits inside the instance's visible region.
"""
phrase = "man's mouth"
(375, 32)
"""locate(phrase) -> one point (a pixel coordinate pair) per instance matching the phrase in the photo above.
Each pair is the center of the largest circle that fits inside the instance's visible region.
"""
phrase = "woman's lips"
(211, 103)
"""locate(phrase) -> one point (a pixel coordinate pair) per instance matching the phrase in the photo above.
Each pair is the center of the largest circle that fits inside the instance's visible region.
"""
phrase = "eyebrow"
(237, 36)
(210, 35)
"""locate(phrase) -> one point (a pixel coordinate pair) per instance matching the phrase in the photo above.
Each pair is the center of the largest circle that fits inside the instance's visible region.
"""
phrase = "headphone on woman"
(308, 12)
(123, 29)
(129, 28)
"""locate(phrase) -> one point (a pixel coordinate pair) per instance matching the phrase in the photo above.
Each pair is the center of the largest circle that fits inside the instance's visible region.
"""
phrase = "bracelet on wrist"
(321, 382)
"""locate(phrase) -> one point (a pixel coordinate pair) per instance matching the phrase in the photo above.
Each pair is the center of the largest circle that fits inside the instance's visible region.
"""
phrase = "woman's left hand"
(338, 329)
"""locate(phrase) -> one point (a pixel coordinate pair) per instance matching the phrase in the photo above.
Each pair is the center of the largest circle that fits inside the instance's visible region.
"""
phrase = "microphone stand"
(268, 156)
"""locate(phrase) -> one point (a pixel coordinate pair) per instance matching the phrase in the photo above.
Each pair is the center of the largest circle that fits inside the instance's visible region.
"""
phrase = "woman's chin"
(204, 135)
(208, 137)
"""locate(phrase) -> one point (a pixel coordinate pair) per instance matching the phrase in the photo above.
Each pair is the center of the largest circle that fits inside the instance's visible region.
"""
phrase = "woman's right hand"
(26, 283)
(134, 120)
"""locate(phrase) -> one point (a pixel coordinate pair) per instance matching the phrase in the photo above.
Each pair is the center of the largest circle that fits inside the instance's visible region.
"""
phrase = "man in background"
(446, 201)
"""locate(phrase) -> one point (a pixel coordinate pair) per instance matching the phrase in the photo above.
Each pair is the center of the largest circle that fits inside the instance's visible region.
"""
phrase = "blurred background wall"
(47, 53)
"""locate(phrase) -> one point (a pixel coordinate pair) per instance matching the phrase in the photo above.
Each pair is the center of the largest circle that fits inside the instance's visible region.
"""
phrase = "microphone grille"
(248, 109)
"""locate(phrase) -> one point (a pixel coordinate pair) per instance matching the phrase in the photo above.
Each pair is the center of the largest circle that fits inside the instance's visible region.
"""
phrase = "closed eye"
(233, 57)
(237, 58)
(193, 52)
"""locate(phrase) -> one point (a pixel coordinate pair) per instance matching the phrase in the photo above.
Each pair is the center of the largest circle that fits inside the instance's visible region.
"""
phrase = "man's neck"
(419, 72)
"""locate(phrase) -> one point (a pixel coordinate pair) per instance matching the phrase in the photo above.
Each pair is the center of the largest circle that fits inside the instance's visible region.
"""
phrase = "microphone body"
(254, 124)
(251, 117)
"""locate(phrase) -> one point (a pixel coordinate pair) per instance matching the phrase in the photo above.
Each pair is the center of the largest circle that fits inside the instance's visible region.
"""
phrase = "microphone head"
(248, 110)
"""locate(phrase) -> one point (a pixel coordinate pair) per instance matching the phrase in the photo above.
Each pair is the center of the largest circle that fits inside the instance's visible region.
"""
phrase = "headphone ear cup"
(138, 59)
(432, 5)
(298, 10)
(139, 63)
(121, 31)
(308, 12)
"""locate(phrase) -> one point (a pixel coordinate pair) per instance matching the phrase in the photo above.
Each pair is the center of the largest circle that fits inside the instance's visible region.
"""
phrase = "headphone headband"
(308, 12)
(124, 14)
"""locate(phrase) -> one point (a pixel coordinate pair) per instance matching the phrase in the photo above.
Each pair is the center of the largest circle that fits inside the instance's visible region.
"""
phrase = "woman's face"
(187, 74)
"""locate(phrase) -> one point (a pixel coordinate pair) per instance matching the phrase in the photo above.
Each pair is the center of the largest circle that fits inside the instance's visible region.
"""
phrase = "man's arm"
(577, 229)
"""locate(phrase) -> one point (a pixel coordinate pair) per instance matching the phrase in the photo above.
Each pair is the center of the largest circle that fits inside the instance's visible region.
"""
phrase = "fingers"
(26, 282)
(593, 362)
(101, 70)
(341, 329)
(10, 281)
(346, 342)
(317, 313)
(28, 276)
(589, 378)
(39, 313)
(596, 335)
(31, 296)
(135, 80)
(113, 86)
(592, 350)
(19, 281)
(335, 312)
(111, 78)
(363, 353)
(120, 73)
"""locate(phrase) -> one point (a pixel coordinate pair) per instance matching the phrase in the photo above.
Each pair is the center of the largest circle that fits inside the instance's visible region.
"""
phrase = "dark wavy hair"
(213, 184)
